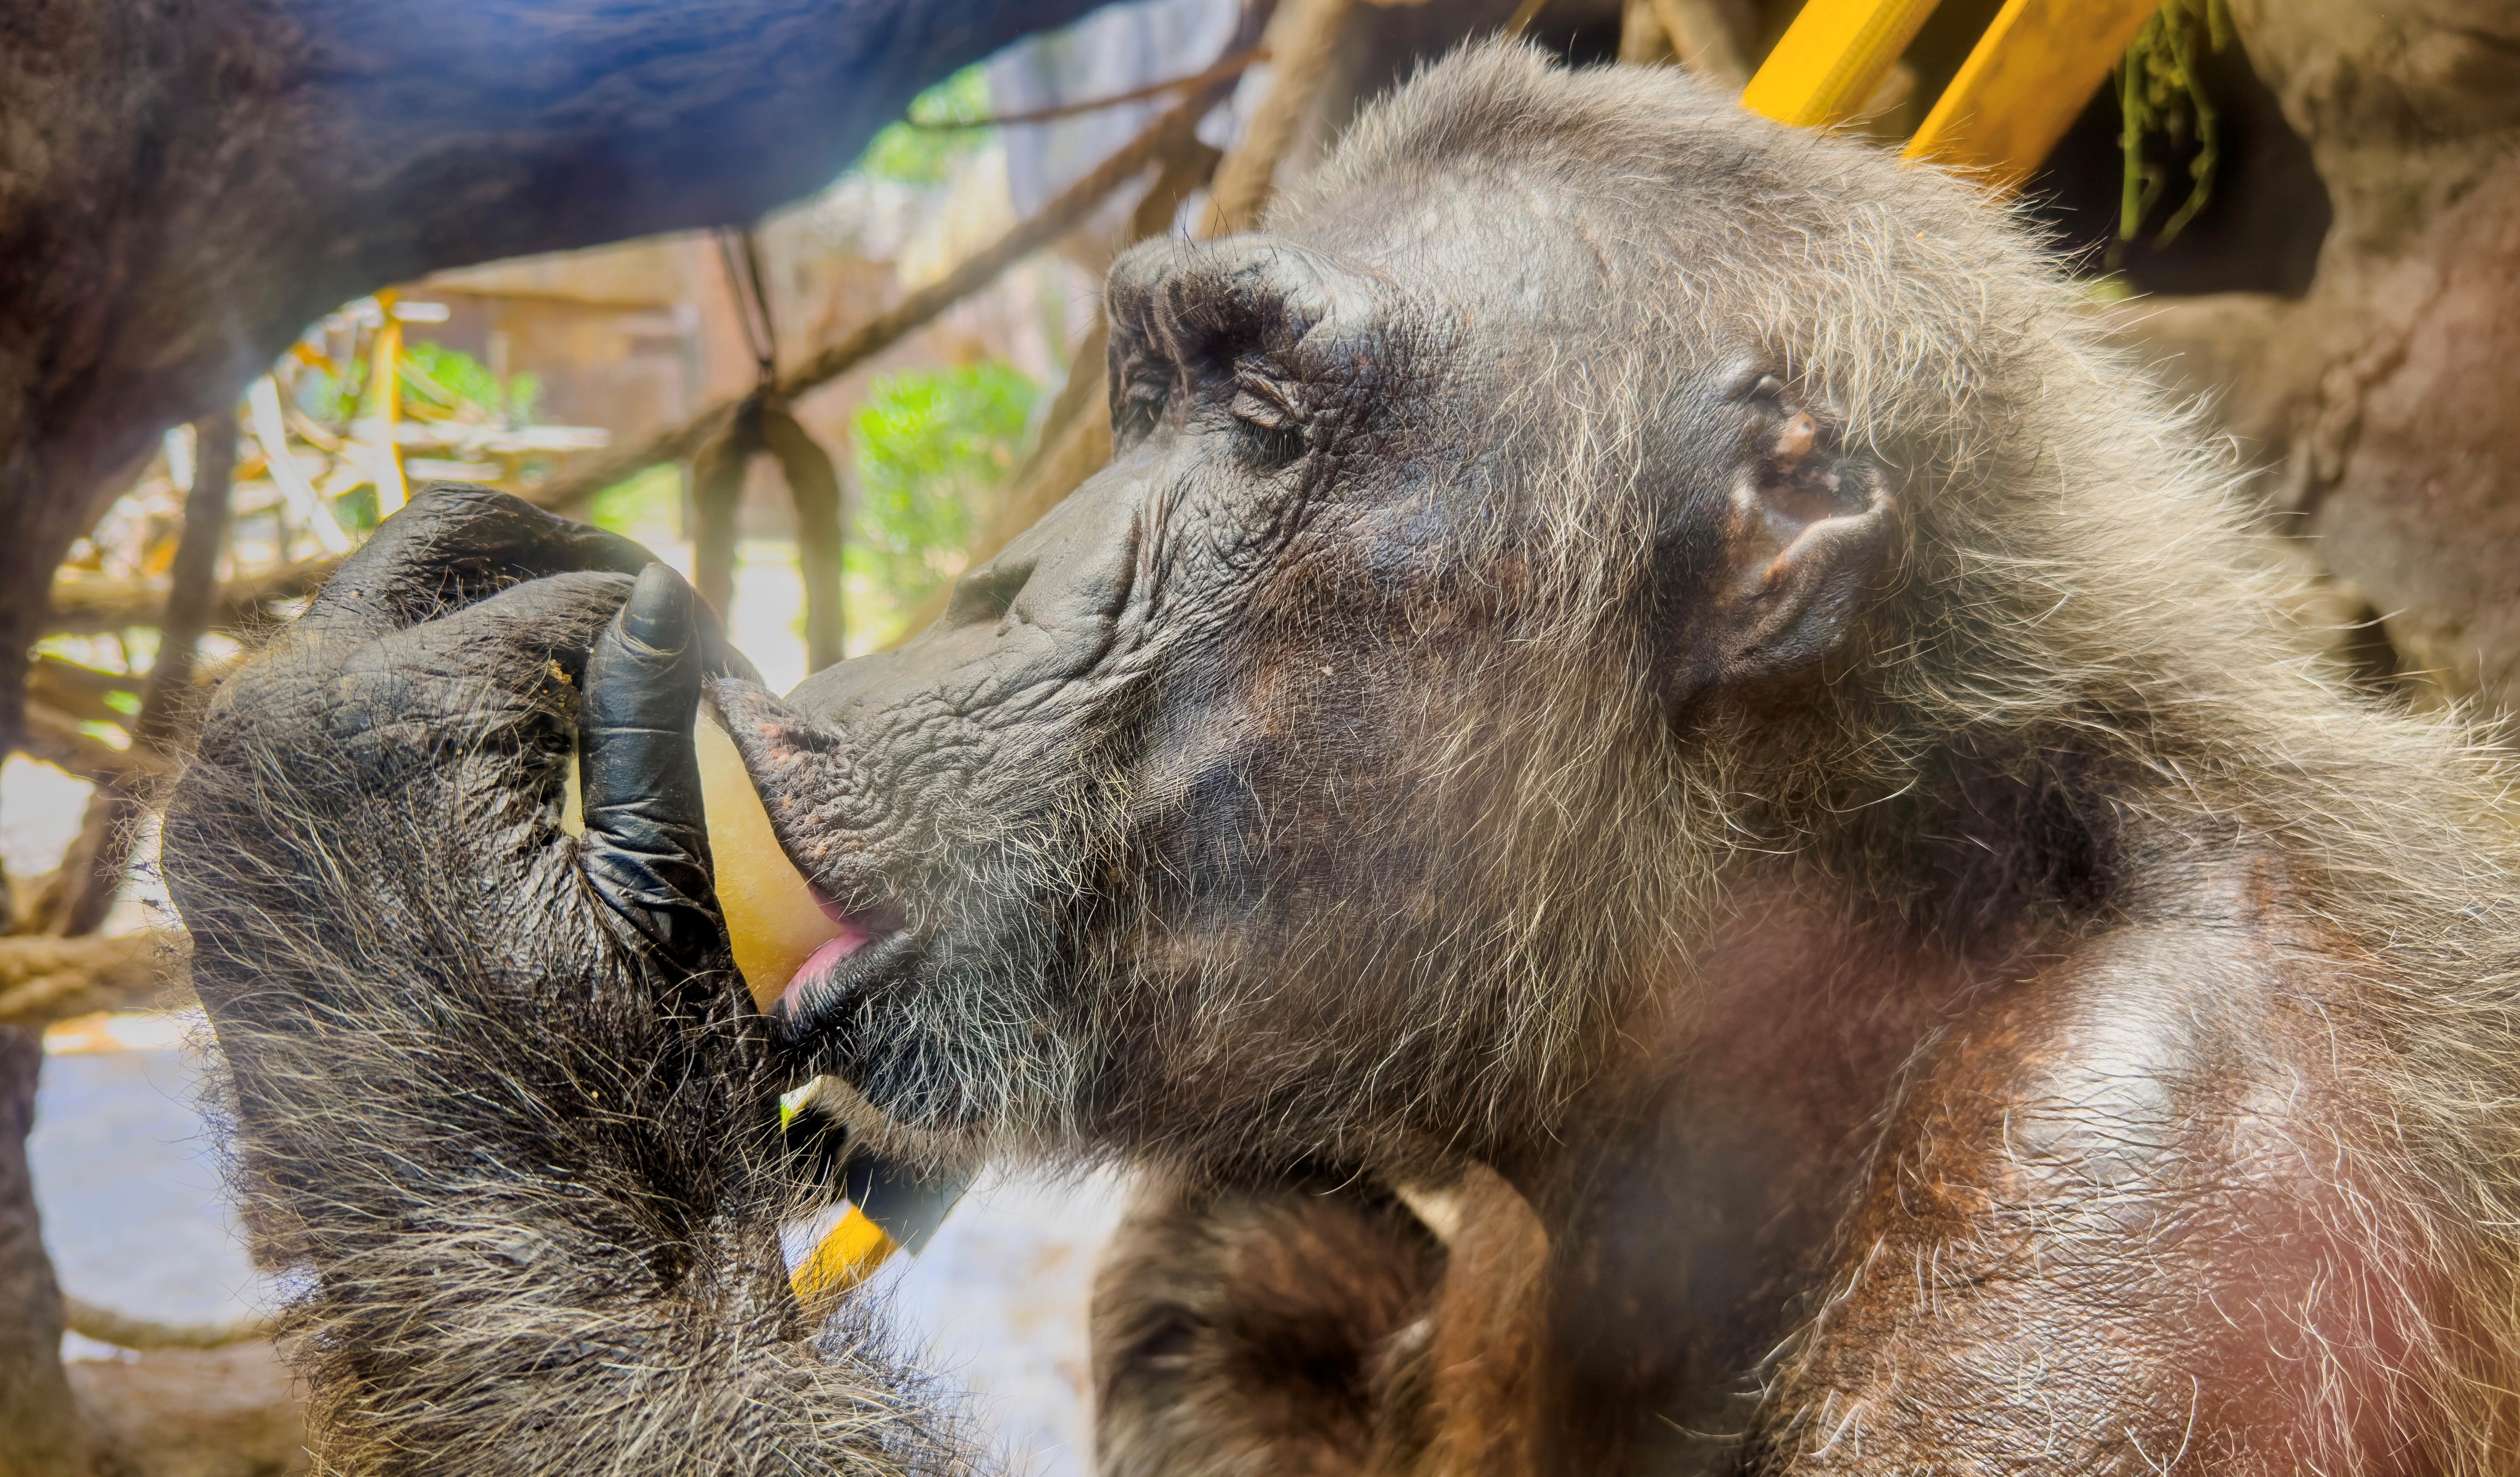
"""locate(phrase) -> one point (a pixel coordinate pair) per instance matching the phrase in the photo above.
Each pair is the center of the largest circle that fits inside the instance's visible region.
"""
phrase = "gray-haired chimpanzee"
(1666, 806)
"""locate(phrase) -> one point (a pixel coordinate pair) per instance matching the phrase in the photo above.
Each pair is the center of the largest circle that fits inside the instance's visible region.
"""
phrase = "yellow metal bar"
(1831, 58)
(846, 1255)
(2024, 84)
(386, 373)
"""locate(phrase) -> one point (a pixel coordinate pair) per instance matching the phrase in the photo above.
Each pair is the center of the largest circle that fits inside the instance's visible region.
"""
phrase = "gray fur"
(530, 1182)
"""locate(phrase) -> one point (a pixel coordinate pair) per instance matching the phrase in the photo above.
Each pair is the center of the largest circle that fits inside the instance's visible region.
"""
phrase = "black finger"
(646, 847)
(512, 640)
(455, 545)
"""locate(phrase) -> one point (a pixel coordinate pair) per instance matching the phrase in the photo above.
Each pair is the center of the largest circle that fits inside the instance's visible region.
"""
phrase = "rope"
(742, 255)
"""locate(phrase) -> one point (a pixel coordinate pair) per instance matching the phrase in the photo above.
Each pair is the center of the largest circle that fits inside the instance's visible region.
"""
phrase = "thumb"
(646, 848)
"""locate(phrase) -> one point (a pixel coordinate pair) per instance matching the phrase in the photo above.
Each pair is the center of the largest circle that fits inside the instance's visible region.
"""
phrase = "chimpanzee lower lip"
(851, 938)
(838, 971)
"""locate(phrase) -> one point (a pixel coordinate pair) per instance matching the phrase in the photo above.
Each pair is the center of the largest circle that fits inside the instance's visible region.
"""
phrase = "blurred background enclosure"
(805, 298)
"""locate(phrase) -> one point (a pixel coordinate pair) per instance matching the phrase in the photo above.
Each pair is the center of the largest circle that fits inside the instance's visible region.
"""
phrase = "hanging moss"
(2161, 96)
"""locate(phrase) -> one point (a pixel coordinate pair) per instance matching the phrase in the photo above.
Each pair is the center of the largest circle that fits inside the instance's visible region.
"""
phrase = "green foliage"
(359, 510)
(930, 445)
(925, 156)
(463, 386)
(2160, 94)
(446, 382)
(331, 400)
(647, 506)
(2107, 287)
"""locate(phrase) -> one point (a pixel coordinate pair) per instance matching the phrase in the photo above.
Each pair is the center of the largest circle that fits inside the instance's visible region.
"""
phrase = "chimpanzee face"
(1267, 787)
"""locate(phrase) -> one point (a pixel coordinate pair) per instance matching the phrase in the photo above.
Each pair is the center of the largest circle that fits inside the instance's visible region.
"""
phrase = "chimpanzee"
(1668, 809)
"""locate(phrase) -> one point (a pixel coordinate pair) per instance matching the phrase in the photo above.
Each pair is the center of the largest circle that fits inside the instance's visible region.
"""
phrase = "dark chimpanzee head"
(1331, 772)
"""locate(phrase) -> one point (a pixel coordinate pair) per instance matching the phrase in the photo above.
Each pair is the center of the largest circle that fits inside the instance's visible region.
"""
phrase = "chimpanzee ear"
(1806, 528)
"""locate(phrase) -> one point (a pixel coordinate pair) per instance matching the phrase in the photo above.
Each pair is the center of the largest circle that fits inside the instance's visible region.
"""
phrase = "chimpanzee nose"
(1042, 611)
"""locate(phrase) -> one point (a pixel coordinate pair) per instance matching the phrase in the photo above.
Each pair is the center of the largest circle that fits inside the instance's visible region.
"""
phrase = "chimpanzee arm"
(1258, 1329)
(2126, 1218)
(496, 1092)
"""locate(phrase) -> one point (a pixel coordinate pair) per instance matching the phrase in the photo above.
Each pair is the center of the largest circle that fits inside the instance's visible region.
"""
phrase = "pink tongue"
(851, 938)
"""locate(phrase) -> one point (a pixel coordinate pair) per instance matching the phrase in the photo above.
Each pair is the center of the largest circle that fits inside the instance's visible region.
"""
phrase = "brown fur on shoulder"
(1238, 1331)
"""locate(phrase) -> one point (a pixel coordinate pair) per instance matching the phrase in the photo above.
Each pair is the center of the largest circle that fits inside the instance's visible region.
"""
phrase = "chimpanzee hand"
(498, 1089)
(408, 743)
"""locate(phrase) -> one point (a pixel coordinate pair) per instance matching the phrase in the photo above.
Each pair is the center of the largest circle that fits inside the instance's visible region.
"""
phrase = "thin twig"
(914, 312)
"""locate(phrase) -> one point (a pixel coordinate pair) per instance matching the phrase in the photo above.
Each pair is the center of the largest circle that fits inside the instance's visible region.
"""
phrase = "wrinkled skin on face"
(1100, 802)
(1200, 804)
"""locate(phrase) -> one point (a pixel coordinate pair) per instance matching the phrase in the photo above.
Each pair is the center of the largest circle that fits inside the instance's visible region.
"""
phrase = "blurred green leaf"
(358, 509)
(925, 156)
(931, 447)
(435, 377)
(457, 383)
(647, 507)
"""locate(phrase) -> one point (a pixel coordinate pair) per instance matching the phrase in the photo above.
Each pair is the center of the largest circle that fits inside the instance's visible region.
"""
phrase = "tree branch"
(55, 737)
(90, 877)
(46, 980)
(1062, 216)
(123, 1331)
(88, 607)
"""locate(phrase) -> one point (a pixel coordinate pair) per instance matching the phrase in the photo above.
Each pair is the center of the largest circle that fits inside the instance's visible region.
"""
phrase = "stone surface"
(2376, 409)
(2416, 501)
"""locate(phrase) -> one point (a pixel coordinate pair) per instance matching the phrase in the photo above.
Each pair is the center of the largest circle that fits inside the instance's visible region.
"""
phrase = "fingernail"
(659, 613)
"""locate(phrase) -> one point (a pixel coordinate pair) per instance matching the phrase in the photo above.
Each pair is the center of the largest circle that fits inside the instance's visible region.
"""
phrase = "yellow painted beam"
(846, 1256)
(1831, 58)
(2024, 84)
(385, 372)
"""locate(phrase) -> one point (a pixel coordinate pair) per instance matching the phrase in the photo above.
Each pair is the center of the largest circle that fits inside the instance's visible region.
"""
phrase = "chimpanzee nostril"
(985, 594)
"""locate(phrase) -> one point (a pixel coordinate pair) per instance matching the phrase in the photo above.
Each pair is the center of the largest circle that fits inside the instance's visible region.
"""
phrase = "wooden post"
(41, 1432)
(386, 373)
(1642, 41)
